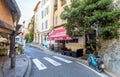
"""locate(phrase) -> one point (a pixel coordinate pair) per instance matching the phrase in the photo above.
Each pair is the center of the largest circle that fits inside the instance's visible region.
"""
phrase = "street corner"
(22, 63)
(7, 72)
(28, 70)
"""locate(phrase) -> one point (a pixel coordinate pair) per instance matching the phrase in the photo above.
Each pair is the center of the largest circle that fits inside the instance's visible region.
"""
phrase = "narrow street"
(59, 38)
(51, 65)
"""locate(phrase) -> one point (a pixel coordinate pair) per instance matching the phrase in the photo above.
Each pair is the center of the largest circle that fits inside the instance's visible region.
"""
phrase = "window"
(73, 41)
(63, 2)
(46, 24)
(42, 13)
(44, 1)
(55, 5)
(42, 4)
(56, 20)
(45, 38)
(42, 26)
(47, 9)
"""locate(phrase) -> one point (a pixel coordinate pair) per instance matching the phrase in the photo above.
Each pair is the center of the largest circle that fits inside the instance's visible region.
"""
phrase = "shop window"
(45, 38)
(73, 41)
(67, 41)
(59, 41)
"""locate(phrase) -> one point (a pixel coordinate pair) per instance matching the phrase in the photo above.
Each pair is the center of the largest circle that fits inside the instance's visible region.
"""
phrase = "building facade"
(37, 23)
(72, 44)
(48, 22)
(79, 42)
(9, 17)
(43, 20)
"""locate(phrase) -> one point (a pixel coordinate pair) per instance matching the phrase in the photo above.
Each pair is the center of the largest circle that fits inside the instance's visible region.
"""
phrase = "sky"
(26, 7)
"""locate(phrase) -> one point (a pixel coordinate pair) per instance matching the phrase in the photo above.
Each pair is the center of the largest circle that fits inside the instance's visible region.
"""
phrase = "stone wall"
(111, 51)
(111, 56)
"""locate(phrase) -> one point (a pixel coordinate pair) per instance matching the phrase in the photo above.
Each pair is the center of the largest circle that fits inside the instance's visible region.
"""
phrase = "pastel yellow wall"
(5, 14)
(72, 46)
(75, 46)
(59, 11)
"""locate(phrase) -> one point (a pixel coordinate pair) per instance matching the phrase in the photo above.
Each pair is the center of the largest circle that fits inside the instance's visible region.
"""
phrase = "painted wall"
(39, 20)
(59, 10)
(48, 17)
(75, 46)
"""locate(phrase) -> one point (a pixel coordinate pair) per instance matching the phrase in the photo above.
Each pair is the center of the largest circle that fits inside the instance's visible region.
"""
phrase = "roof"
(36, 7)
(13, 7)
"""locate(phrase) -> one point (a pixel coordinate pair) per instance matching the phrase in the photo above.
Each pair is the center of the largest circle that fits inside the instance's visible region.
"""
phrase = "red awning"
(59, 35)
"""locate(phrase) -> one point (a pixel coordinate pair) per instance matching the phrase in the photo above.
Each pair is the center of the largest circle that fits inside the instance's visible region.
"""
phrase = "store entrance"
(92, 39)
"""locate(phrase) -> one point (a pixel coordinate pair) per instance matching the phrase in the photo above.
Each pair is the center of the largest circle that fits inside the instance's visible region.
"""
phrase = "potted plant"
(20, 49)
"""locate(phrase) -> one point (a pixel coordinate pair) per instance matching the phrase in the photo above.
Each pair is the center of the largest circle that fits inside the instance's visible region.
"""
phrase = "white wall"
(49, 17)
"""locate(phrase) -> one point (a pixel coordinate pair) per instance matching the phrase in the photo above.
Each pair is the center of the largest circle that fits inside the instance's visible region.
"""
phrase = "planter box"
(68, 53)
(78, 53)
(62, 52)
(73, 54)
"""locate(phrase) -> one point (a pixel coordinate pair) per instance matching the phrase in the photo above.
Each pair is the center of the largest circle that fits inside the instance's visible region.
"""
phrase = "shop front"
(59, 34)
(9, 18)
(72, 46)
(4, 46)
